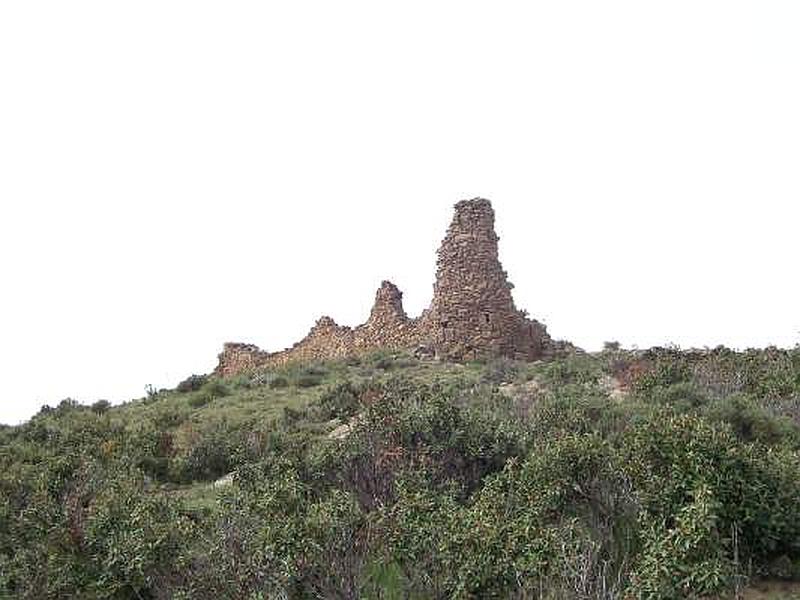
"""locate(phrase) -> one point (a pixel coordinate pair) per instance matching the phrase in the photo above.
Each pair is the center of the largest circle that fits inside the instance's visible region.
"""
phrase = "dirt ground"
(772, 590)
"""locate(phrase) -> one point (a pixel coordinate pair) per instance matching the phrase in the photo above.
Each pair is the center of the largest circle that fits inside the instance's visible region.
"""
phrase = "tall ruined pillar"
(472, 314)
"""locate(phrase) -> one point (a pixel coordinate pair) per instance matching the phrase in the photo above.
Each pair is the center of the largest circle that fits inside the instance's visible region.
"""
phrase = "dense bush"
(501, 370)
(212, 389)
(341, 401)
(751, 422)
(308, 381)
(101, 406)
(428, 485)
(573, 370)
(279, 382)
(700, 491)
(192, 383)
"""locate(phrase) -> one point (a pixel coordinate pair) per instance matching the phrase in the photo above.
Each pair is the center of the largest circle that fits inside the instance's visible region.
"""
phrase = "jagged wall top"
(472, 313)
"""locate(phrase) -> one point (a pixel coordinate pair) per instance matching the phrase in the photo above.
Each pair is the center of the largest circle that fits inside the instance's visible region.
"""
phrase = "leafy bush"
(315, 371)
(101, 406)
(433, 484)
(215, 388)
(750, 422)
(680, 396)
(278, 382)
(690, 472)
(340, 401)
(212, 389)
(664, 372)
(308, 381)
(199, 400)
(577, 369)
(501, 370)
(192, 383)
(136, 539)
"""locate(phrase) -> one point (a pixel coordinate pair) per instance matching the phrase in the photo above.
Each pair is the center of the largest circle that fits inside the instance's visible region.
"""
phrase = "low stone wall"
(237, 358)
(472, 314)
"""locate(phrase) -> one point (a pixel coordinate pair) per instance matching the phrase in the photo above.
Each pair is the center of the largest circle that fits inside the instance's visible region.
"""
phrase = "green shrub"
(750, 422)
(352, 361)
(662, 367)
(679, 396)
(241, 382)
(315, 371)
(211, 455)
(405, 362)
(564, 508)
(278, 382)
(215, 388)
(192, 383)
(200, 399)
(340, 401)
(135, 540)
(291, 416)
(580, 370)
(692, 472)
(383, 363)
(168, 417)
(691, 558)
(101, 406)
(212, 389)
(308, 381)
(436, 485)
(788, 408)
(501, 370)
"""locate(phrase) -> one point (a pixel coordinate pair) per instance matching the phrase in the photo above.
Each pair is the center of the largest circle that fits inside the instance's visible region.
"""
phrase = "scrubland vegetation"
(659, 474)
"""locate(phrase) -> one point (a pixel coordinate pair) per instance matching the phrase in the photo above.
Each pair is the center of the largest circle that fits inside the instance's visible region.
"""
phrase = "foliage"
(101, 406)
(191, 383)
(279, 382)
(395, 478)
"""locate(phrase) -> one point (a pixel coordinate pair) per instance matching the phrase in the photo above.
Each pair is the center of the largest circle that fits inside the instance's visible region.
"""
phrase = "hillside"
(657, 474)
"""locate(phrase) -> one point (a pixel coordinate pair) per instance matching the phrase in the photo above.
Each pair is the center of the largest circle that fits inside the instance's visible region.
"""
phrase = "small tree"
(101, 406)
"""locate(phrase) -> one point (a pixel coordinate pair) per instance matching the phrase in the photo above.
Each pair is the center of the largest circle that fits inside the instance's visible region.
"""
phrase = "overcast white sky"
(175, 174)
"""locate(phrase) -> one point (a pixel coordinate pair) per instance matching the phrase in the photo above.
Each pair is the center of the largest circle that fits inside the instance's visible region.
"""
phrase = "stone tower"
(472, 314)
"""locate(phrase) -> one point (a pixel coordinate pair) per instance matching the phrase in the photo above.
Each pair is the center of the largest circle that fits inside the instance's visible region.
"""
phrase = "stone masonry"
(472, 314)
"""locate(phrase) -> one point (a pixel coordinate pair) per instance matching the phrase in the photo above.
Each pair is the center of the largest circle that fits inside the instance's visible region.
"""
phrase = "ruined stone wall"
(387, 327)
(472, 314)
(240, 358)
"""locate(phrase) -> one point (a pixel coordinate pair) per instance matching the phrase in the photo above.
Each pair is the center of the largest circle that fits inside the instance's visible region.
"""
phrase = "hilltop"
(472, 314)
(462, 453)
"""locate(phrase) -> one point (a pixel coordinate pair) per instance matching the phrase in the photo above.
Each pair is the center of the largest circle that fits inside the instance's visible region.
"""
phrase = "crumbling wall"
(472, 314)
(238, 358)
(388, 325)
(325, 340)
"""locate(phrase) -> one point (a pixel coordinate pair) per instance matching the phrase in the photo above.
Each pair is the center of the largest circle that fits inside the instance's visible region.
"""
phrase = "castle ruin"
(472, 314)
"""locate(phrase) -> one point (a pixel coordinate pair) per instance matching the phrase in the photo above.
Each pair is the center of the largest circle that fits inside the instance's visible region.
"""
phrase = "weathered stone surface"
(472, 314)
